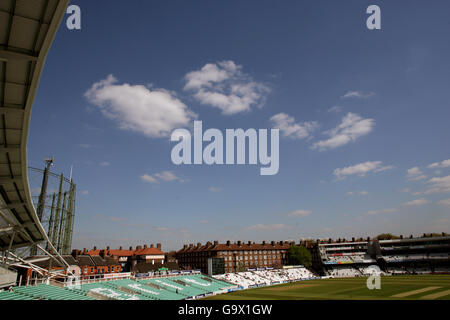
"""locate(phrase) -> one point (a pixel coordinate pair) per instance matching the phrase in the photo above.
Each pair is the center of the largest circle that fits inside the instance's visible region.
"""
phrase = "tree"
(387, 236)
(299, 255)
(240, 267)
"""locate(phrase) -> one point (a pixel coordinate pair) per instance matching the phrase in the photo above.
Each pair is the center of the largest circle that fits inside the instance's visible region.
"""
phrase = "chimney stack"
(108, 248)
(216, 242)
(239, 243)
(158, 246)
(228, 243)
(75, 253)
(152, 246)
(95, 248)
(120, 248)
(272, 243)
(131, 248)
(264, 243)
(145, 246)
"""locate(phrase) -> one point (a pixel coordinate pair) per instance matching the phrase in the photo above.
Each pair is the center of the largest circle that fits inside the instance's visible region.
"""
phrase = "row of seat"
(266, 277)
(48, 292)
(166, 288)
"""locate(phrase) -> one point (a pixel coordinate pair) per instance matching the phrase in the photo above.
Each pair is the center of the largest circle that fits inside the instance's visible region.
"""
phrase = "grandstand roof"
(409, 240)
(27, 29)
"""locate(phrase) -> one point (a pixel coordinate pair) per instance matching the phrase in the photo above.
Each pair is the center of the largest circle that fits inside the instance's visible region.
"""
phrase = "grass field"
(417, 287)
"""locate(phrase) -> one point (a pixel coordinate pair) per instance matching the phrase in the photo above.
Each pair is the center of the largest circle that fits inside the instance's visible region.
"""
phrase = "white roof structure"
(27, 29)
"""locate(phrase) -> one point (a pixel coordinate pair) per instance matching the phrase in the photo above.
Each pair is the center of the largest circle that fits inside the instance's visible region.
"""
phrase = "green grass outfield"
(417, 287)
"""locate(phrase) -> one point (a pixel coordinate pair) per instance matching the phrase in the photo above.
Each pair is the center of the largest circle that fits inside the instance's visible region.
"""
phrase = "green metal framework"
(59, 211)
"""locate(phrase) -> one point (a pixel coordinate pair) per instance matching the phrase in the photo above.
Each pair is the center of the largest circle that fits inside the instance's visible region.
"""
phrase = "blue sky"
(356, 110)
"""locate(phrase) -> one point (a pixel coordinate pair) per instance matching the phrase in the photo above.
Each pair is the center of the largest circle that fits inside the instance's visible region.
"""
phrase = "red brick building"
(238, 256)
(127, 259)
(96, 265)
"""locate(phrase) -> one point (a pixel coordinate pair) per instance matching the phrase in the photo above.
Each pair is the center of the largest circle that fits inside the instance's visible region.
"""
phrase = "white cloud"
(351, 128)
(443, 164)
(223, 85)
(358, 94)
(361, 169)
(104, 164)
(335, 109)
(374, 212)
(439, 185)
(215, 189)
(84, 145)
(444, 202)
(289, 128)
(299, 213)
(360, 193)
(210, 74)
(148, 178)
(85, 192)
(414, 174)
(434, 165)
(166, 176)
(266, 227)
(152, 112)
(416, 202)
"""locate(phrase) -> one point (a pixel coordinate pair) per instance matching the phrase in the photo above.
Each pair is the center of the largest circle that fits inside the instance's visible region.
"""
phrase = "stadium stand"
(11, 295)
(171, 287)
(256, 278)
(423, 255)
(174, 287)
(49, 292)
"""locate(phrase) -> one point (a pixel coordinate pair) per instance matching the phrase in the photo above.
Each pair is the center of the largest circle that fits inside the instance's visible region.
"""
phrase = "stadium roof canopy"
(27, 29)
